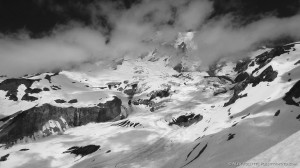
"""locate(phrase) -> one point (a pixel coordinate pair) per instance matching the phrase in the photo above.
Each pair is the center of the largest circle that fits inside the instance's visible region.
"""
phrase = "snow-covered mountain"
(149, 112)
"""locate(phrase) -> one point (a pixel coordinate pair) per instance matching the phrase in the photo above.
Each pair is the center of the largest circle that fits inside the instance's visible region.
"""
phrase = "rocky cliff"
(45, 120)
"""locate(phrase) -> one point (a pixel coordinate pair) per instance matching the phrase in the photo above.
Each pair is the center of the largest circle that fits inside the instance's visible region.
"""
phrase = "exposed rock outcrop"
(127, 123)
(268, 75)
(48, 77)
(83, 151)
(48, 119)
(242, 65)
(12, 85)
(296, 63)
(113, 84)
(230, 136)
(186, 120)
(23, 149)
(242, 76)
(4, 158)
(27, 97)
(268, 56)
(33, 91)
(60, 101)
(178, 68)
(131, 91)
(146, 102)
(73, 101)
(293, 94)
(149, 102)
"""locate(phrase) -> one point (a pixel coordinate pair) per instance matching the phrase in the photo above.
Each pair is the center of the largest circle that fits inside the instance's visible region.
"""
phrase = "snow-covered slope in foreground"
(239, 112)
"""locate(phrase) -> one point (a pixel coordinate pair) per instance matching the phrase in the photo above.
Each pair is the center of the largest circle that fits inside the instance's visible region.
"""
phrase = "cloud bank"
(142, 27)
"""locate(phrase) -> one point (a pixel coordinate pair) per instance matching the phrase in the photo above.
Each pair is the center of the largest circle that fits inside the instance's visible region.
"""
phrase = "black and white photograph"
(149, 83)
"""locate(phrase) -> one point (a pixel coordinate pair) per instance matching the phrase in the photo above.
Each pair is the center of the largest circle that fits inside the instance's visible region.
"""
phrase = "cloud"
(194, 14)
(144, 27)
(62, 50)
(218, 39)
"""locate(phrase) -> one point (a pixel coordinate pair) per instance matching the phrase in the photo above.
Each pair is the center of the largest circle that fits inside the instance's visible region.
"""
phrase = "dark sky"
(40, 16)
(250, 10)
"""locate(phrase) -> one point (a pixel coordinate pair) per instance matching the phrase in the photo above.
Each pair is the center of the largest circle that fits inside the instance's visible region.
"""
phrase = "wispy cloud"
(143, 27)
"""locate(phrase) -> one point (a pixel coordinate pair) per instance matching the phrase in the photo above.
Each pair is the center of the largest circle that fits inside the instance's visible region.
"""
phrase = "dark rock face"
(298, 62)
(73, 101)
(267, 57)
(23, 149)
(160, 93)
(12, 97)
(234, 124)
(113, 84)
(9, 117)
(230, 136)
(148, 102)
(294, 92)
(11, 86)
(277, 113)
(60, 101)
(26, 97)
(186, 120)
(130, 92)
(242, 65)
(178, 68)
(109, 110)
(46, 89)
(4, 158)
(251, 64)
(33, 91)
(192, 151)
(242, 76)
(30, 122)
(143, 102)
(198, 155)
(238, 88)
(268, 75)
(245, 116)
(48, 77)
(83, 151)
(127, 123)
